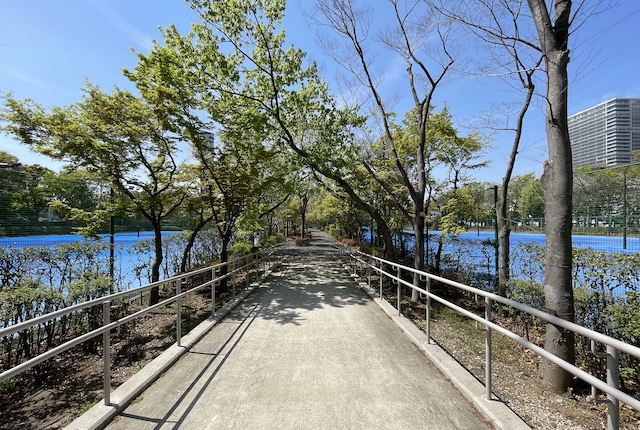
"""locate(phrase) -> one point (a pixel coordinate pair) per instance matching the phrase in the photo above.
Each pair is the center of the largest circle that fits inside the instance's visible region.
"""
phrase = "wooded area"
(270, 144)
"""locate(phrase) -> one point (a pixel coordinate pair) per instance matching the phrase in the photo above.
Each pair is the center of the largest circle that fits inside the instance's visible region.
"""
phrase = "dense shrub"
(40, 280)
(241, 248)
(303, 241)
(206, 249)
(350, 242)
(606, 287)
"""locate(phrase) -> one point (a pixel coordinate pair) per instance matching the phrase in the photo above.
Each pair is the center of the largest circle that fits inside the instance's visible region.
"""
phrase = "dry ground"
(76, 379)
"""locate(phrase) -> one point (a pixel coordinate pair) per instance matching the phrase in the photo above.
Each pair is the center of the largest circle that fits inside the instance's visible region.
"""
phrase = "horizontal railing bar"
(583, 331)
(587, 377)
(80, 306)
(97, 332)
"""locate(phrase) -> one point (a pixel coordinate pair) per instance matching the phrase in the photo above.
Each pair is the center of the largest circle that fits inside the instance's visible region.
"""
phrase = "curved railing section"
(361, 261)
(260, 261)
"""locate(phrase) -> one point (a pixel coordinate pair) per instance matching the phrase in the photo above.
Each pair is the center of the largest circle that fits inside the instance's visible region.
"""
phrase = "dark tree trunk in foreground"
(502, 209)
(557, 184)
(157, 262)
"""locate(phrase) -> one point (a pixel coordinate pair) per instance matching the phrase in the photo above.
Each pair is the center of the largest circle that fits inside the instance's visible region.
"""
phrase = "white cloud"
(140, 38)
(17, 74)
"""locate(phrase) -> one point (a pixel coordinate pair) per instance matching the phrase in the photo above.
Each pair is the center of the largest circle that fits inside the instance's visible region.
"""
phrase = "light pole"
(495, 231)
(625, 207)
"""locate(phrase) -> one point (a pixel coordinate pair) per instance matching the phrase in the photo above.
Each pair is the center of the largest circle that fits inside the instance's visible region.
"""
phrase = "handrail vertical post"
(369, 273)
(178, 313)
(233, 283)
(427, 317)
(213, 290)
(613, 380)
(106, 352)
(248, 271)
(487, 367)
(399, 292)
(381, 279)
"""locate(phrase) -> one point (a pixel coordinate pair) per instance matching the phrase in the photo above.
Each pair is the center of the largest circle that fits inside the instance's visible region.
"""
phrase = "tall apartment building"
(606, 134)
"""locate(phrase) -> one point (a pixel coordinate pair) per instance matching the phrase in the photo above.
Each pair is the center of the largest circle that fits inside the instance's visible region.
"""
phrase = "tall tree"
(531, 201)
(118, 138)
(427, 66)
(235, 59)
(557, 183)
(22, 195)
(497, 26)
(553, 23)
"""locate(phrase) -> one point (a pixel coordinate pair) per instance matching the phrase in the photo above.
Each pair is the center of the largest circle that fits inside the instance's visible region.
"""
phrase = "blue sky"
(49, 48)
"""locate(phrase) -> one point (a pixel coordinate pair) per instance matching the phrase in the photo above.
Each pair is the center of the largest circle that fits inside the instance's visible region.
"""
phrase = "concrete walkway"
(308, 349)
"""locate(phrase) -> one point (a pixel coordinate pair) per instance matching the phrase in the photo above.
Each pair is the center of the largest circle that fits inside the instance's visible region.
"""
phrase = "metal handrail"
(614, 346)
(251, 260)
(80, 306)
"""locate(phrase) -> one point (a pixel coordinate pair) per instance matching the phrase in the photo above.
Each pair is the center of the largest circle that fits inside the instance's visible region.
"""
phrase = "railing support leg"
(487, 366)
(248, 271)
(214, 283)
(381, 279)
(106, 352)
(427, 307)
(613, 380)
(399, 292)
(178, 313)
(233, 288)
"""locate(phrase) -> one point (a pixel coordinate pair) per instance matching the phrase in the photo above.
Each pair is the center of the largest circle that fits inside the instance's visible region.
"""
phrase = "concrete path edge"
(495, 411)
(100, 414)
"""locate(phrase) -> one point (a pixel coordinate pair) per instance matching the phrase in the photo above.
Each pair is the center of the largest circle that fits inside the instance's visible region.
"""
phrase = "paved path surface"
(307, 350)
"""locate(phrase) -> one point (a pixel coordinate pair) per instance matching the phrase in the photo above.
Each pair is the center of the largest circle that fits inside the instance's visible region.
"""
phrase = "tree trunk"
(504, 226)
(384, 234)
(187, 250)
(504, 231)
(224, 257)
(418, 253)
(303, 214)
(154, 295)
(438, 256)
(557, 184)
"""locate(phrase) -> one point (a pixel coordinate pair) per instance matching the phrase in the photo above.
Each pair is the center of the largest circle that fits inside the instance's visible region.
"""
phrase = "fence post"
(487, 316)
(613, 380)
(106, 352)
(369, 273)
(178, 313)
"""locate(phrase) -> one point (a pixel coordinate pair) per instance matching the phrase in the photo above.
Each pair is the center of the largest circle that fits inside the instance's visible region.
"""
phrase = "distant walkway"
(307, 350)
